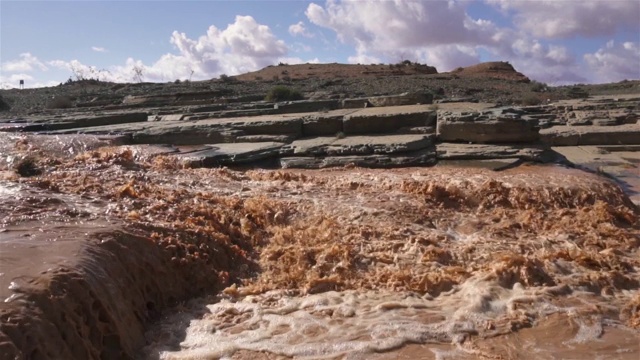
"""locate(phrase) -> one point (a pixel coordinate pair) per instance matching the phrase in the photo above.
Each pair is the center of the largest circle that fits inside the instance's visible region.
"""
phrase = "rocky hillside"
(496, 82)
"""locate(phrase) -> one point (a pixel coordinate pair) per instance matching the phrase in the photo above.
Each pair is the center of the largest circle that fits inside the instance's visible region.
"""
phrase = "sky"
(557, 42)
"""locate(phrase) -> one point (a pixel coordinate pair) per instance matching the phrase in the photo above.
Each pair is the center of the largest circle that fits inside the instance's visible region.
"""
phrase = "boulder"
(499, 126)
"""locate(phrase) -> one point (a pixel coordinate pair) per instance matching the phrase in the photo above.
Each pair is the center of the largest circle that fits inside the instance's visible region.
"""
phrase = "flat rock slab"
(84, 121)
(486, 127)
(388, 119)
(621, 163)
(628, 134)
(453, 151)
(409, 98)
(230, 154)
(357, 145)
(306, 106)
(207, 131)
(425, 157)
(491, 164)
(324, 123)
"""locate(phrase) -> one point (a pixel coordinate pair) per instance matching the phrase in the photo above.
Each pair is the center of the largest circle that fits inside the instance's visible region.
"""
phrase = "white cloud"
(243, 46)
(13, 81)
(439, 33)
(384, 26)
(299, 29)
(26, 63)
(98, 49)
(615, 62)
(563, 19)
(364, 59)
(449, 57)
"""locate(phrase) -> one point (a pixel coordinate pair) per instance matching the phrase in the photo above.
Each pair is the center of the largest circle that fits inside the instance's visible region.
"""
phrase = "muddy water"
(484, 271)
(427, 263)
(40, 231)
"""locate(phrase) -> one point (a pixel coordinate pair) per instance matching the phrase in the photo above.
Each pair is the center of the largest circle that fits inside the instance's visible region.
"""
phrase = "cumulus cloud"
(98, 49)
(242, 46)
(563, 19)
(299, 29)
(615, 62)
(437, 32)
(449, 57)
(363, 59)
(440, 33)
(13, 81)
(549, 63)
(406, 23)
(25, 63)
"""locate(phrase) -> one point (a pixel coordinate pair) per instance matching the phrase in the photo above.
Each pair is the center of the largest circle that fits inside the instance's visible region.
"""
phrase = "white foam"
(350, 324)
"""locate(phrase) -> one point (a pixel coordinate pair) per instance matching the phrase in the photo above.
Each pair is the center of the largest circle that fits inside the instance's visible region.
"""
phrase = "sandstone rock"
(177, 135)
(187, 98)
(486, 127)
(355, 103)
(323, 124)
(263, 125)
(211, 131)
(605, 122)
(492, 164)
(168, 117)
(357, 145)
(230, 154)
(408, 98)
(306, 106)
(86, 120)
(417, 158)
(453, 151)
(628, 134)
(388, 120)
(264, 138)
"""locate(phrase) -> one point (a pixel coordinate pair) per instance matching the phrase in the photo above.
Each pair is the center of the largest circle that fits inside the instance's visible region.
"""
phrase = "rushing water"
(418, 263)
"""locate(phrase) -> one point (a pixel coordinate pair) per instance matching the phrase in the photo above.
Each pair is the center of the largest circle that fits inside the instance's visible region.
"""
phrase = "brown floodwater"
(533, 262)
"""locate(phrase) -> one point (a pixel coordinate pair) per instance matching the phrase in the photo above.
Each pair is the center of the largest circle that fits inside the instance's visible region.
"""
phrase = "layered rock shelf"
(372, 136)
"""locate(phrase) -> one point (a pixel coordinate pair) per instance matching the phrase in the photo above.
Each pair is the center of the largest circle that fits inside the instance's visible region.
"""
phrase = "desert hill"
(490, 70)
(335, 70)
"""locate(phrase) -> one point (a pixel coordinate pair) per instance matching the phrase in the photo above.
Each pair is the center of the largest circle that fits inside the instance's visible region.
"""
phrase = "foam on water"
(351, 324)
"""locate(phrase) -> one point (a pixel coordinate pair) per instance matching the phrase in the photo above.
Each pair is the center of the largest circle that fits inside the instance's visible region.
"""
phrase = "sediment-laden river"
(534, 262)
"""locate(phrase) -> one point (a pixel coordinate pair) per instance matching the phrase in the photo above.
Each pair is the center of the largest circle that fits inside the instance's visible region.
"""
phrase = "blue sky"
(559, 42)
